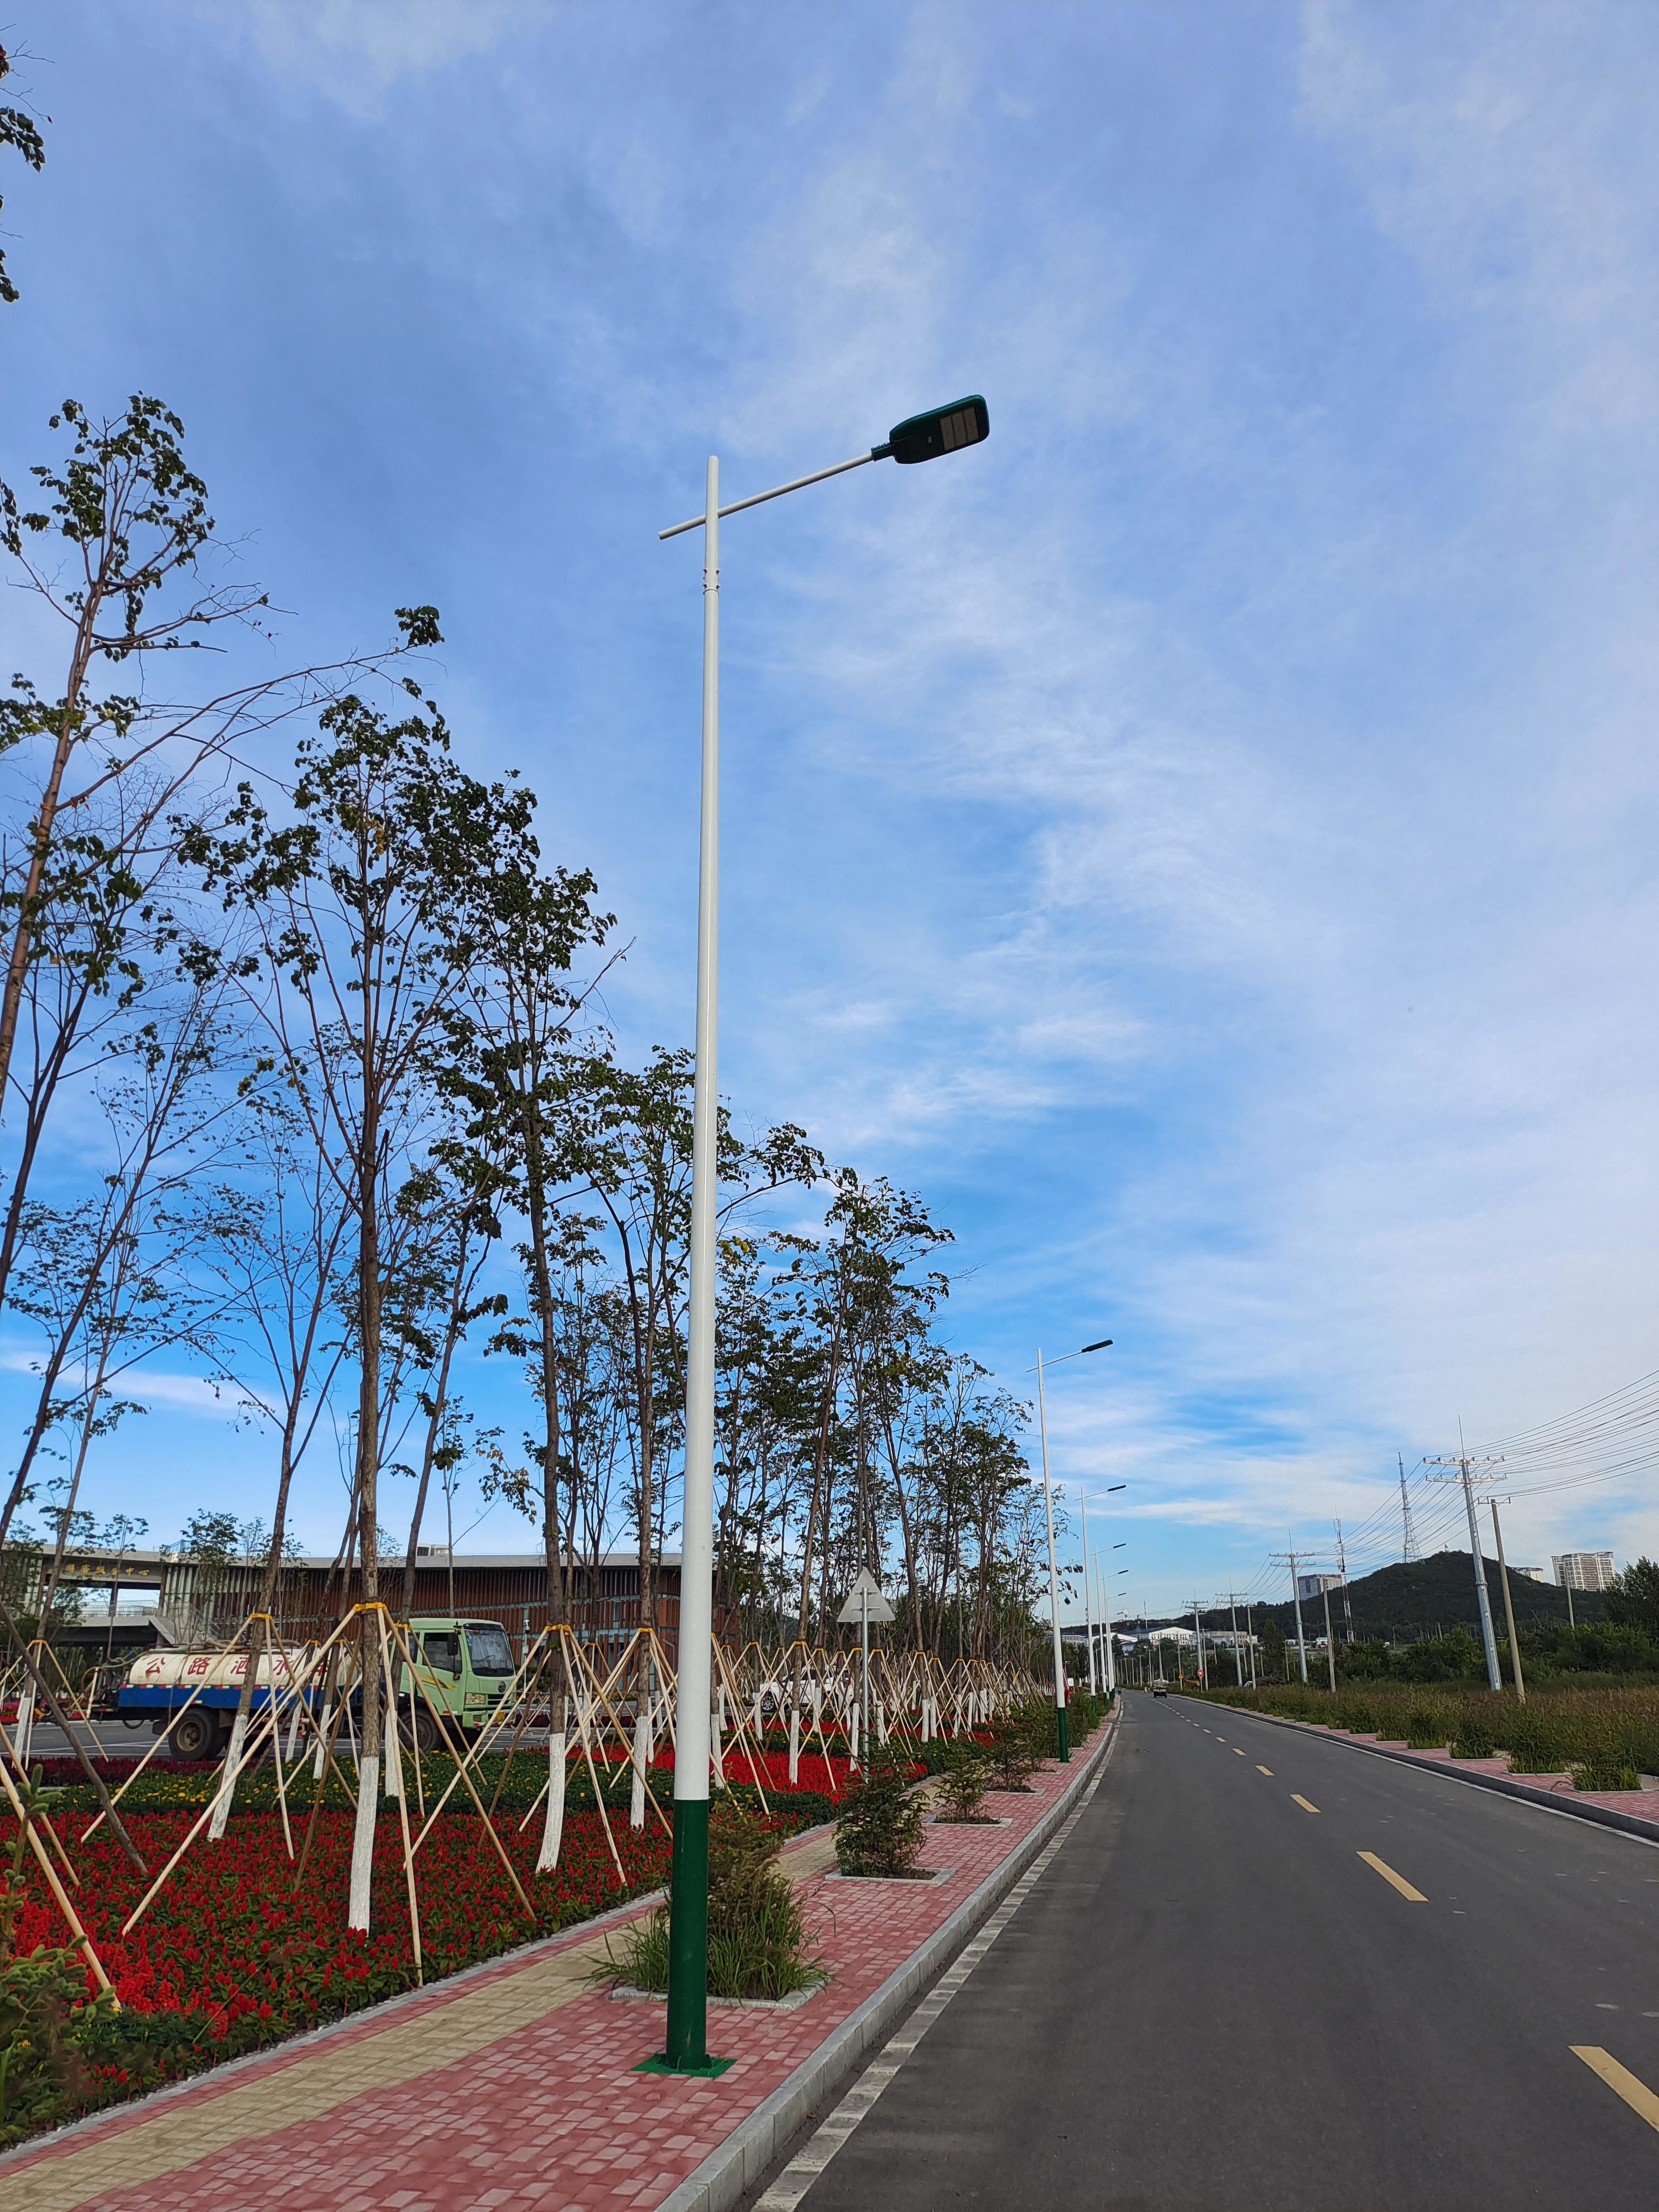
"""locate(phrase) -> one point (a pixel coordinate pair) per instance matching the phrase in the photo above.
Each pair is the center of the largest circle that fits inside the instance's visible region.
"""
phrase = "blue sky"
(1203, 840)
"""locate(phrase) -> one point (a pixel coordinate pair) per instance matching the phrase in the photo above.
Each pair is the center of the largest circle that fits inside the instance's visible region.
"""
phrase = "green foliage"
(1456, 1657)
(757, 1941)
(1604, 1774)
(879, 1829)
(44, 2014)
(1014, 1755)
(1473, 1736)
(19, 130)
(962, 1787)
(1274, 1652)
(1634, 1601)
(1426, 1727)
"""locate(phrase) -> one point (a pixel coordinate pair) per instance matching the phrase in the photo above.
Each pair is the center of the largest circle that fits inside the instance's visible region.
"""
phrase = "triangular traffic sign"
(867, 1590)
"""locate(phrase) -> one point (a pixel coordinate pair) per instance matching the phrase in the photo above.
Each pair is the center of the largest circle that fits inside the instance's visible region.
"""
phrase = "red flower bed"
(229, 1941)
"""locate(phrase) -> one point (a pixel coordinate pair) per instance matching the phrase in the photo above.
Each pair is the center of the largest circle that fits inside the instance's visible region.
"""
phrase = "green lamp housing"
(941, 430)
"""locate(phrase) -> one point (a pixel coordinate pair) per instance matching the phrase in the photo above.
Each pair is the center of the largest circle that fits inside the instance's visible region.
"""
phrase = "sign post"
(865, 1603)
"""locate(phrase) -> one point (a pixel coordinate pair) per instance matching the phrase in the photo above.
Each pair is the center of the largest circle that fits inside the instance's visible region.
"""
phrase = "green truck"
(463, 1667)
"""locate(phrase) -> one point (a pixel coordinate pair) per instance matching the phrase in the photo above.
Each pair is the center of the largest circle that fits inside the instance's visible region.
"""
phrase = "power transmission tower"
(1410, 1551)
(1342, 1570)
(1292, 1559)
(1465, 1475)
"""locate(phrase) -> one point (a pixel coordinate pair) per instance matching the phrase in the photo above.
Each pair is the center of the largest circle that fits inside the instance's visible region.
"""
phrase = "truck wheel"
(426, 1730)
(195, 1735)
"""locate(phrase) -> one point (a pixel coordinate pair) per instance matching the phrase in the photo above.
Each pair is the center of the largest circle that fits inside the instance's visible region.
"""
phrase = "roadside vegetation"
(1592, 1733)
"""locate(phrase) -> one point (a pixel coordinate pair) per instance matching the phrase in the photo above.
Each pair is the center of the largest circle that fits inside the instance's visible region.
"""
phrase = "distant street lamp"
(1061, 1737)
(919, 438)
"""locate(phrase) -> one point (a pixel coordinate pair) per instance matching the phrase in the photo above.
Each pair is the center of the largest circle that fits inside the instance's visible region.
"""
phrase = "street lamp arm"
(799, 483)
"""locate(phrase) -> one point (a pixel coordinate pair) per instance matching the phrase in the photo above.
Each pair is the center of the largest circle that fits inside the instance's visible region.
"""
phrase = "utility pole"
(1198, 1639)
(1342, 1570)
(1293, 1560)
(1409, 1534)
(1232, 1607)
(1250, 1631)
(1508, 1609)
(1330, 1640)
(1465, 1475)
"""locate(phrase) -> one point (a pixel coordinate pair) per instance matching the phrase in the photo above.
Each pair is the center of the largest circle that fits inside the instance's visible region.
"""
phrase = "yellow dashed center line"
(1298, 1799)
(1268, 1771)
(1238, 1753)
(1399, 1880)
(1637, 2094)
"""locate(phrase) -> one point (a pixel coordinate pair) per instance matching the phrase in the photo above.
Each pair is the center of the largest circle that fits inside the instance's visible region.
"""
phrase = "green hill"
(1418, 1598)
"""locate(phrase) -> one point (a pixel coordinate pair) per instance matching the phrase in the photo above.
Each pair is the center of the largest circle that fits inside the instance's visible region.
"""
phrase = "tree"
(1274, 1651)
(19, 130)
(362, 953)
(1634, 1599)
(112, 540)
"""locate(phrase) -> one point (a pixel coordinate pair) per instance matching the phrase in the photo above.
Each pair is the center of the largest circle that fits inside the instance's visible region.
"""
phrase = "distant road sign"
(865, 1591)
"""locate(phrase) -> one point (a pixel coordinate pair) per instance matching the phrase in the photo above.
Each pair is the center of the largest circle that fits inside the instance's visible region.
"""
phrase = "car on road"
(1160, 1689)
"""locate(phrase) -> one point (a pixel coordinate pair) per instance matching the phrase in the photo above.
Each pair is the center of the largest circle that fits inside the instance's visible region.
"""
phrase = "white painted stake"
(362, 1842)
(220, 1820)
(644, 1743)
(794, 1745)
(553, 1826)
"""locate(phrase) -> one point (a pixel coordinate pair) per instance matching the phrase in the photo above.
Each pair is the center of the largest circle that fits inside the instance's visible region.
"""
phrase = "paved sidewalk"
(512, 2086)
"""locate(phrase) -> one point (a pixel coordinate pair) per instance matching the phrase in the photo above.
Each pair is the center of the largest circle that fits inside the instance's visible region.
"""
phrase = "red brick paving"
(552, 2115)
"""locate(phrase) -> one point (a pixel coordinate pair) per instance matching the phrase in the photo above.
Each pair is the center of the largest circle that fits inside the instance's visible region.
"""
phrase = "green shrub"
(1604, 1774)
(1425, 1728)
(1014, 1756)
(961, 1786)
(758, 1940)
(879, 1829)
(1533, 1747)
(1474, 1738)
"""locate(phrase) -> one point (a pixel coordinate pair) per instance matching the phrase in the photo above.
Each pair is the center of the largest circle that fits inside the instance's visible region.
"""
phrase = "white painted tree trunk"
(25, 1723)
(363, 1842)
(881, 1720)
(222, 1803)
(760, 1731)
(642, 1748)
(553, 1826)
(717, 1746)
(293, 1735)
(322, 1743)
(393, 1768)
(794, 1745)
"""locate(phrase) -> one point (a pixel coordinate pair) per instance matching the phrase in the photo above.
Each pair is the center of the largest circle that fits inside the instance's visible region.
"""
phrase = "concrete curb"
(1503, 1785)
(754, 2146)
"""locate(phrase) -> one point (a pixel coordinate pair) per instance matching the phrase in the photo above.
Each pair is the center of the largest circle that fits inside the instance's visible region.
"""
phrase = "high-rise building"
(1583, 1570)
(1309, 1586)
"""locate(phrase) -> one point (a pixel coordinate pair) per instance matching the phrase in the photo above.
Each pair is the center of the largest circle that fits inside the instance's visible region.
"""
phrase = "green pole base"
(1064, 1732)
(687, 2047)
(710, 2070)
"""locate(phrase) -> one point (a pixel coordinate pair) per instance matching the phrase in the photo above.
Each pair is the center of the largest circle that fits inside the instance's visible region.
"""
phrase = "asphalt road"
(1211, 2003)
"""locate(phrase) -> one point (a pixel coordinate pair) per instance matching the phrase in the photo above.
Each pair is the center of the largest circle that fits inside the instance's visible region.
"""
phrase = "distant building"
(1583, 1570)
(1532, 1574)
(1317, 1585)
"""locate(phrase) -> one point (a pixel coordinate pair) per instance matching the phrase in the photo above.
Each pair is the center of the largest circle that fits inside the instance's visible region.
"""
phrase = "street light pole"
(919, 438)
(1054, 1572)
(687, 2047)
(1087, 1607)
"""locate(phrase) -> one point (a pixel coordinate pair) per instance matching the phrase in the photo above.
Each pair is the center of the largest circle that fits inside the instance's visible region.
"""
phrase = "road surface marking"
(1303, 1802)
(1238, 1753)
(803, 2169)
(1382, 1866)
(1268, 1771)
(1637, 2094)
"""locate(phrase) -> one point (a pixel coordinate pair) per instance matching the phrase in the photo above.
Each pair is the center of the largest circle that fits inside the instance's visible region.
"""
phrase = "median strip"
(1382, 1866)
(1623, 2083)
